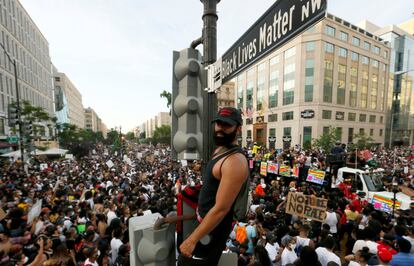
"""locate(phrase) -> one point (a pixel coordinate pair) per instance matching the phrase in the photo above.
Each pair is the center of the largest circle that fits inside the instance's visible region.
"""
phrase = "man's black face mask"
(224, 139)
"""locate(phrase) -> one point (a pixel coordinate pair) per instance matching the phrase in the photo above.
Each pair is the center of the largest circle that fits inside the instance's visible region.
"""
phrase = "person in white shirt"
(326, 254)
(367, 234)
(410, 238)
(111, 213)
(332, 218)
(272, 247)
(116, 243)
(288, 253)
(302, 239)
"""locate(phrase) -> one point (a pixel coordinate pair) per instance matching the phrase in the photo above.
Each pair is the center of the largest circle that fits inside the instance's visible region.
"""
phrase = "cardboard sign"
(110, 164)
(263, 168)
(272, 168)
(284, 170)
(295, 171)
(384, 204)
(34, 211)
(316, 176)
(306, 206)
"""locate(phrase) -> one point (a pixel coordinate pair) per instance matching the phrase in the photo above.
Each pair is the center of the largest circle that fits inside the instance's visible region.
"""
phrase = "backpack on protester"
(241, 233)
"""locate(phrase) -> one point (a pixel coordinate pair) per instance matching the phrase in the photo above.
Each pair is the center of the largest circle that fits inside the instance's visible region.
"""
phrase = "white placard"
(34, 211)
(110, 164)
(116, 153)
(69, 156)
(128, 161)
(184, 162)
(156, 153)
(139, 155)
(106, 152)
(43, 166)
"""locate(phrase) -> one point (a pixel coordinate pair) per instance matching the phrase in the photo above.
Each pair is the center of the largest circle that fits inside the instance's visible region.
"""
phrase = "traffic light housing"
(189, 79)
(28, 129)
(13, 115)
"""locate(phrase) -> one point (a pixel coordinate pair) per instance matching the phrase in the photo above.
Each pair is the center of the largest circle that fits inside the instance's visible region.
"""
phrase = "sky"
(118, 53)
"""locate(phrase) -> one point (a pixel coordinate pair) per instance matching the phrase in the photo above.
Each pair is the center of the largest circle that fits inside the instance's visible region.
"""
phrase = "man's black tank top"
(207, 197)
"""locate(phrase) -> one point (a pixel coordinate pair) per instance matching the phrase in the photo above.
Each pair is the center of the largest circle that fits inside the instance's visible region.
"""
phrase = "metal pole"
(19, 112)
(209, 56)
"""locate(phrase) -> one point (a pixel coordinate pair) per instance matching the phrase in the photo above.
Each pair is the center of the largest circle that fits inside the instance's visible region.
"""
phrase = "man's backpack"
(241, 234)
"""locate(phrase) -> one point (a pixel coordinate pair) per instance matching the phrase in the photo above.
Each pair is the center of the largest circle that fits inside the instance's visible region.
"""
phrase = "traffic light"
(189, 81)
(13, 115)
(28, 129)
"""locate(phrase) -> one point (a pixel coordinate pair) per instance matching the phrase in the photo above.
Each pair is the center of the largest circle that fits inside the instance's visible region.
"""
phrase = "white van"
(371, 183)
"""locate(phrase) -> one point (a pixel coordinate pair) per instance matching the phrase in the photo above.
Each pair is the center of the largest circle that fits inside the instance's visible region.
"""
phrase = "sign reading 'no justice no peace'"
(281, 22)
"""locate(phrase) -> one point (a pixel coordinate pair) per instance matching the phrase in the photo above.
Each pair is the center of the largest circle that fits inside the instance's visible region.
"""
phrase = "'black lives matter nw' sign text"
(281, 22)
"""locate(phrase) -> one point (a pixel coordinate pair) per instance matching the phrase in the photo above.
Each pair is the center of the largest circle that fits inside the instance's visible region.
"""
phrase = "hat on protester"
(229, 115)
(384, 255)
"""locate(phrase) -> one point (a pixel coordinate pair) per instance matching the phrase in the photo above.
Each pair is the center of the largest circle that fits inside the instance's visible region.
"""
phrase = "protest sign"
(156, 153)
(306, 206)
(69, 156)
(110, 164)
(272, 168)
(184, 163)
(263, 168)
(34, 211)
(384, 203)
(284, 170)
(316, 176)
(251, 164)
(295, 171)
(139, 155)
(43, 166)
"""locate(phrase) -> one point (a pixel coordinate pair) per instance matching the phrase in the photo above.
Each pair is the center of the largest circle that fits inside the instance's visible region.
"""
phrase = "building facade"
(163, 118)
(68, 101)
(400, 119)
(24, 42)
(92, 120)
(226, 95)
(332, 75)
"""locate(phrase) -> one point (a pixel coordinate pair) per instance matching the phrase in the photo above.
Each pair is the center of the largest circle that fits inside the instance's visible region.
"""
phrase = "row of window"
(331, 31)
(327, 114)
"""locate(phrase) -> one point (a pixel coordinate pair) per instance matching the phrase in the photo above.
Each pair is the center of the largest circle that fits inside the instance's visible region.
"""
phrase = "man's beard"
(226, 139)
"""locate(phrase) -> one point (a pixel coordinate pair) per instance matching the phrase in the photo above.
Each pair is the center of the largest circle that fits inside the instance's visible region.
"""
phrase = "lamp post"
(19, 112)
(395, 96)
(395, 191)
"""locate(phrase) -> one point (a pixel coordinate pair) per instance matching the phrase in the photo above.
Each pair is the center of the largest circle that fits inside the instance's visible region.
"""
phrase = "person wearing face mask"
(223, 178)
(288, 254)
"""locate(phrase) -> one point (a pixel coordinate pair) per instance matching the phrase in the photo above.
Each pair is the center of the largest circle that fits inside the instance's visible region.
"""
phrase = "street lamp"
(398, 73)
(19, 112)
(395, 191)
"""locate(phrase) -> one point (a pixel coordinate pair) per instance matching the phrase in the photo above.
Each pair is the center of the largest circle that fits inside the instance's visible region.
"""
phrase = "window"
(290, 52)
(340, 95)
(343, 36)
(260, 87)
(272, 118)
(57, 79)
(287, 116)
(367, 46)
(371, 132)
(329, 47)
(328, 81)
(355, 41)
(372, 118)
(309, 71)
(274, 60)
(374, 63)
(380, 132)
(364, 89)
(353, 87)
(339, 133)
(362, 131)
(249, 133)
(330, 30)
(310, 46)
(289, 84)
(385, 55)
(307, 136)
(343, 52)
(350, 135)
(362, 117)
(249, 89)
(240, 88)
(2, 128)
(273, 87)
(354, 56)
(375, 49)
(381, 119)
(374, 91)
(325, 130)
(365, 60)
(351, 116)
(272, 132)
(287, 131)
(326, 114)
(339, 115)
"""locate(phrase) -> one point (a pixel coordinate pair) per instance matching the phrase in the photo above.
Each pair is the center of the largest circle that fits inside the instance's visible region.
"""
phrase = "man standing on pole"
(223, 178)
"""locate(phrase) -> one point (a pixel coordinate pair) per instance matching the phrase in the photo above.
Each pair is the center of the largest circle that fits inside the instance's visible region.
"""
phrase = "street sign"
(281, 22)
(287, 138)
(214, 81)
(12, 139)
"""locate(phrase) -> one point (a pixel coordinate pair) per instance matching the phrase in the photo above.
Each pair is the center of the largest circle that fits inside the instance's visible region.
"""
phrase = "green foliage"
(142, 135)
(327, 140)
(79, 142)
(307, 145)
(162, 135)
(167, 95)
(361, 141)
(130, 136)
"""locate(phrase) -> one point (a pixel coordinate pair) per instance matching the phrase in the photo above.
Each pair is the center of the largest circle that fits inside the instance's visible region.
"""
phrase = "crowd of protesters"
(86, 205)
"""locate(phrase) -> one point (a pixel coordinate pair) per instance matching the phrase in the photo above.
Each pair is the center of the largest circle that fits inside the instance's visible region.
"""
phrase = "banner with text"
(284, 170)
(306, 206)
(263, 168)
(316, 176)
(280, 23)
(384, 204)
(272, 168)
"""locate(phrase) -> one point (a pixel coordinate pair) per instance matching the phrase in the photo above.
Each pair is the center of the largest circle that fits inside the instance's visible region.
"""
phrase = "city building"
(24, 42)
(400, 119)
(163, 118)
(92, 120)
(334, 74)
(68, 101)
(226, 95)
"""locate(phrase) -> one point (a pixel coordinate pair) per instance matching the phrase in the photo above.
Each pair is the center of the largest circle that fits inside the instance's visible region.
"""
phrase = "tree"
(167, 95)
(327, 140)
(162, 135)
(130, 136)
(361, 141)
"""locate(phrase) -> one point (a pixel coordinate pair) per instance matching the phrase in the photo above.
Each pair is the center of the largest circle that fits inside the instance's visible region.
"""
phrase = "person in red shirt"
(387, 243)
